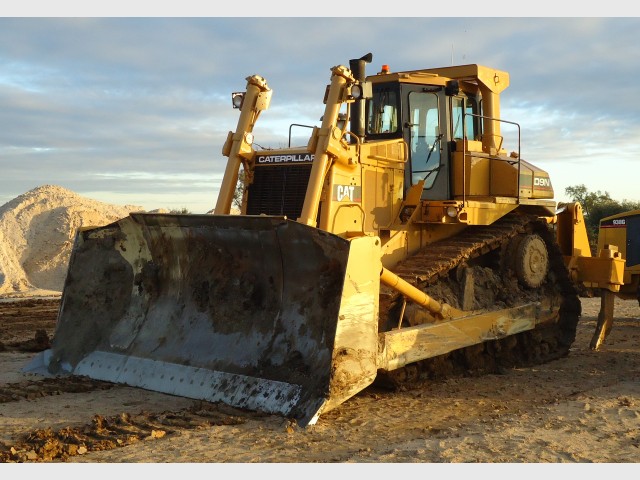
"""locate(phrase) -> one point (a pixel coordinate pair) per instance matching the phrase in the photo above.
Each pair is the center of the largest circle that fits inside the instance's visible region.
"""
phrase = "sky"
(129, 107)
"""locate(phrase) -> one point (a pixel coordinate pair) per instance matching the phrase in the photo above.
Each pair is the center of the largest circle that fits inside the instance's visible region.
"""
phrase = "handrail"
(297, 125)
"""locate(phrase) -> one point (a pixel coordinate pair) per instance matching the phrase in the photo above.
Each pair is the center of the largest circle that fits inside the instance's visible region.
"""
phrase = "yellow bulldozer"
(402, 241)
(618, 234)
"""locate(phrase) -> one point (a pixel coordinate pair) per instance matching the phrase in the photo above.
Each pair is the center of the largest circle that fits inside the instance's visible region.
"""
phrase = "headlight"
(360, 91)
(236, 99)
(452, 211)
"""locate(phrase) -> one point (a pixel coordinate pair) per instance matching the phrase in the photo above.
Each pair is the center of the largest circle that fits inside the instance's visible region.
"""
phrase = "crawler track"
(486, 254)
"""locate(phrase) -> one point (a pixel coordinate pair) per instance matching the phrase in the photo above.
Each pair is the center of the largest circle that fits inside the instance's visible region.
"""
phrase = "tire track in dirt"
(106, 433)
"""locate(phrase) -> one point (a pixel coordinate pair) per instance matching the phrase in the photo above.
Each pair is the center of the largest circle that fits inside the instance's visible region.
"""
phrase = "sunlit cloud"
(136, 110)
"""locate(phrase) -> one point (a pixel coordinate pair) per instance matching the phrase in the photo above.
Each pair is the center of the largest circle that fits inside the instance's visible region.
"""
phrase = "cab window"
(470, 129)
(382, 114)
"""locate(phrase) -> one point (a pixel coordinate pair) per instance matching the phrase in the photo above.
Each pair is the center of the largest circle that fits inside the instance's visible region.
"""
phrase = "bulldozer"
(403, 241)
(623, 230)
(619, 233)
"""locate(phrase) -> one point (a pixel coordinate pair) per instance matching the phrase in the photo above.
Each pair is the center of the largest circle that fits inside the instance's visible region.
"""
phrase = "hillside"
(37, 230)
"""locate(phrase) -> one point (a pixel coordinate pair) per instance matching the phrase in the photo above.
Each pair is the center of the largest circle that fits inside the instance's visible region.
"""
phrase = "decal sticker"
(615, 223)
(348, 193)
(542, 183)
(290, 158)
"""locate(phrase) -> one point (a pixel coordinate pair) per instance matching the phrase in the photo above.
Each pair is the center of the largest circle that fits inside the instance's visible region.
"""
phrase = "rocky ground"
(580, 409)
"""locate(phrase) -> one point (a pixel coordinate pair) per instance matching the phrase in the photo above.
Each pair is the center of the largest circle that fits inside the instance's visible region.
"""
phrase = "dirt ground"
(580, 409)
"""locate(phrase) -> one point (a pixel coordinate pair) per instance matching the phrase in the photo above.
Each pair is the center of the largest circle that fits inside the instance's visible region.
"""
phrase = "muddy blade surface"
(242, 310)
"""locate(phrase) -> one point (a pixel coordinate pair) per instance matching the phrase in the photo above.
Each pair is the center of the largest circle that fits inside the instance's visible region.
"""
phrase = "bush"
(596, 206)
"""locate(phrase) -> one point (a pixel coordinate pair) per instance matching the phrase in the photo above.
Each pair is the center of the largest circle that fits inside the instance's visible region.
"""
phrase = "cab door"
(424, 131)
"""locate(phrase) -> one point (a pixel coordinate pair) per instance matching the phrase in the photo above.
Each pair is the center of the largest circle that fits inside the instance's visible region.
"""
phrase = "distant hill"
(37, 230)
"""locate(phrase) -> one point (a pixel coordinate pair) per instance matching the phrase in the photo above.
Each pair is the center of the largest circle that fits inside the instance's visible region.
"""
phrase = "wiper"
(433, 147)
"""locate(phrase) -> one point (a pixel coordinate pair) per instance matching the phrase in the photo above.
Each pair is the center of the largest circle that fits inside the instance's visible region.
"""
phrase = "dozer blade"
(261, 313)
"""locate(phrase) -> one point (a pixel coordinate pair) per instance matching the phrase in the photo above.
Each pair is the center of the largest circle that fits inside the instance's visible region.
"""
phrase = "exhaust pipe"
(357, 66)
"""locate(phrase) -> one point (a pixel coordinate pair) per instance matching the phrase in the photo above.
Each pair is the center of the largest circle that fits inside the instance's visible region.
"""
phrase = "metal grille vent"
(278, 190)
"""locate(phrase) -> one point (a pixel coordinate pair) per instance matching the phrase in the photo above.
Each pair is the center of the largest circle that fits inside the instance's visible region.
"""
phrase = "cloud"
(141, 106)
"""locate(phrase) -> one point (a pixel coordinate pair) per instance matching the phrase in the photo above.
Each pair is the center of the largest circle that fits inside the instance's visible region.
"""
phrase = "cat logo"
(349, 193)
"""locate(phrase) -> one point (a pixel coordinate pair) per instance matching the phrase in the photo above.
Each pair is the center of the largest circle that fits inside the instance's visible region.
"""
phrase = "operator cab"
(430, 118)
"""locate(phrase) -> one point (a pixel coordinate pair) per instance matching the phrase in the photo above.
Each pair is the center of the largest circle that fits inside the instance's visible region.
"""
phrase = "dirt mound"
(36, 235)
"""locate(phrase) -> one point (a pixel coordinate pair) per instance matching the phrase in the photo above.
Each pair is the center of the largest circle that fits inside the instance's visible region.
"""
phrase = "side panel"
(633, 241)
(382, 173)
(623, 230)
(341, 206)
(377, 204)
(614, 231)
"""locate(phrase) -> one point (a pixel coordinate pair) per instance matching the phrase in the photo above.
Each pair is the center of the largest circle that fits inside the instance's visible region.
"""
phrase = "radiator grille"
(278, 190)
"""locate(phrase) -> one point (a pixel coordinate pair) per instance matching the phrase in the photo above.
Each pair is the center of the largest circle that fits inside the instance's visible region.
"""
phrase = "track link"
(486, 253)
